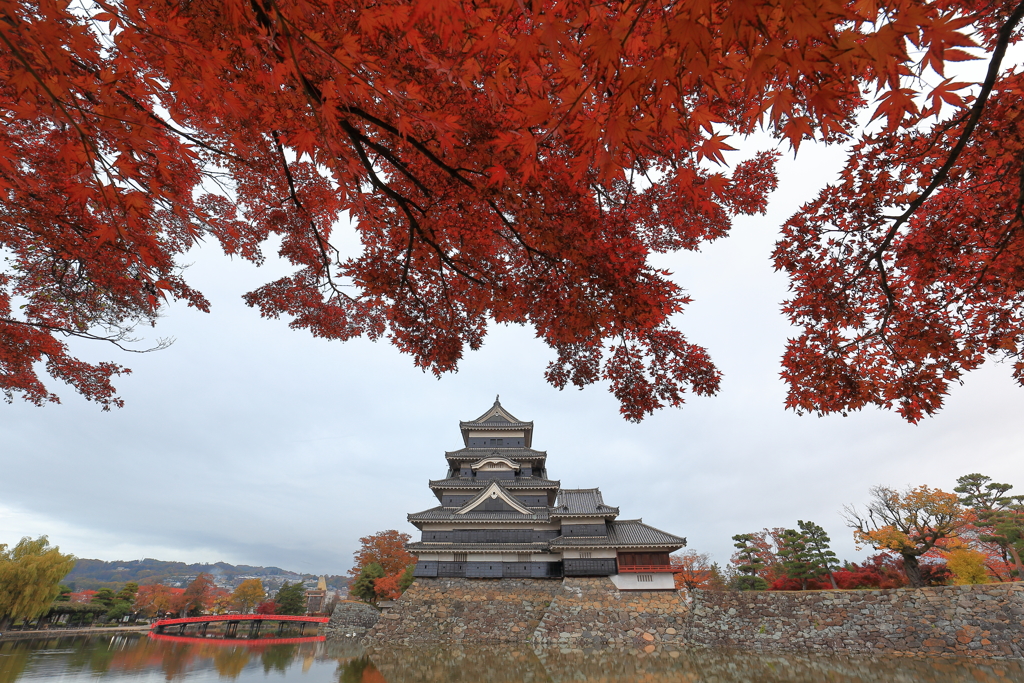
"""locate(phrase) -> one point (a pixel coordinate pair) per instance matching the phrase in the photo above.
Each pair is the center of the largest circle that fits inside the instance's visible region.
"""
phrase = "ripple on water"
(106, 659)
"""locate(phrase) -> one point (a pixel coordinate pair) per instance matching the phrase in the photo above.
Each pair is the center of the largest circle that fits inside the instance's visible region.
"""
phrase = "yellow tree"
(967, 565)
(30, 576)
(248, 594)
(909, 522)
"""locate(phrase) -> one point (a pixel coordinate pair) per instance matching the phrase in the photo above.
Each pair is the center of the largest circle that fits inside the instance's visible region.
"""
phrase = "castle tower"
(500, 516)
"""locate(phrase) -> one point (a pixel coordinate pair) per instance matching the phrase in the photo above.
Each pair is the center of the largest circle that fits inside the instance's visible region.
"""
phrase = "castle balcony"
(649, 569)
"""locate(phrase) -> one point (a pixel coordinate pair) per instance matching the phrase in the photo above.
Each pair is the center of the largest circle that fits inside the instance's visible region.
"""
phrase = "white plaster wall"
(595, 554)
(631, 582)
(470, 524)
(473, 432)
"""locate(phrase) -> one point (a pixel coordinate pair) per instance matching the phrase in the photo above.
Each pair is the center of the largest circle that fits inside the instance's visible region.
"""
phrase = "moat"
(134, 657)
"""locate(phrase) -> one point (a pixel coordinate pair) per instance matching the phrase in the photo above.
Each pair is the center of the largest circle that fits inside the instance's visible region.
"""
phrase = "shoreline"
(58, 632)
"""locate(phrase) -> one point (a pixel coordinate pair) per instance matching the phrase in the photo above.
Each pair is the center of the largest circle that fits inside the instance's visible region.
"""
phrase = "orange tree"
(696, 571)
(383, 567)
(910, 522)
(514, 160)
(156, 598)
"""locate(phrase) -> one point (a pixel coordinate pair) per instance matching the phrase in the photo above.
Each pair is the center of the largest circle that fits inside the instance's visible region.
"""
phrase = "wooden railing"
(649, 569)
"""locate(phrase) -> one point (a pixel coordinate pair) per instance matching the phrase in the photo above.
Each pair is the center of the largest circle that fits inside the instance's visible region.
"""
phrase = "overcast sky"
(251, 443)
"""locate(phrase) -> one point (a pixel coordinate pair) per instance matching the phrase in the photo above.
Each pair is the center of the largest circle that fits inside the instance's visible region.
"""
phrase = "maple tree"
(696, 571)
(198, 595)
(911, 523)
(267, 607)
(156, 599)
(385, 548)
(515, 161)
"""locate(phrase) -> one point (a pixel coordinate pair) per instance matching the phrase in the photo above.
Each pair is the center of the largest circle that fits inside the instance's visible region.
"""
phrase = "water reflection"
(78, 659)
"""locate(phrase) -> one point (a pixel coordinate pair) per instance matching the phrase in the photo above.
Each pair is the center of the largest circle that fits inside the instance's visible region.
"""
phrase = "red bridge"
(200, 626)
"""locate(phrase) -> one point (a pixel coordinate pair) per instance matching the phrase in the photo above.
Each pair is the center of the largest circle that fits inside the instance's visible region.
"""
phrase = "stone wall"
(474, 610)
(591, 613)
(351, 619)
(973, 621)
(580, 615)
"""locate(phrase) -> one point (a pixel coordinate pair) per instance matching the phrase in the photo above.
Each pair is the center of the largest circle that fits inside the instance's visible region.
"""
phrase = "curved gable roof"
(494, 491)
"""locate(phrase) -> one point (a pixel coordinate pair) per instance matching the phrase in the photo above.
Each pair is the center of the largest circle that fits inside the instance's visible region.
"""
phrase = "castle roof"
(626, 533)
(473, 484)
(496, 418)
(431, 546)
(582, 503)
(450, 514)
(469, 454)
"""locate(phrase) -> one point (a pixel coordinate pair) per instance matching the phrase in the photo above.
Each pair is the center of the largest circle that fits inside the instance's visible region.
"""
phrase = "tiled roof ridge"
(512, 419)
(521, 483)
(449, 454)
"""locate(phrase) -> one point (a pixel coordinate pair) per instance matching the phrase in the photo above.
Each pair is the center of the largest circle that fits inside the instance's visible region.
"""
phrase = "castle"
(501, 517)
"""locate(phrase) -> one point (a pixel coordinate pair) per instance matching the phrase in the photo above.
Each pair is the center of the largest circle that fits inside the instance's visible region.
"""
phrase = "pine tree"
(291, 599)
(363, 587)
(748, 564)
(817, 545)
(797, 562)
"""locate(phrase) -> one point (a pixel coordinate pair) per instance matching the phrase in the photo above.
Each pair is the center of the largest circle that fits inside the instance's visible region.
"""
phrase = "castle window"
(461, 557)
(586, 555)
(645, 578)
(523, 557)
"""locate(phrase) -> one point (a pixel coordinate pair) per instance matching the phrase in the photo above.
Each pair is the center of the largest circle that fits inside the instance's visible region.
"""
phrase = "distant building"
(500, 516)
(316, 598)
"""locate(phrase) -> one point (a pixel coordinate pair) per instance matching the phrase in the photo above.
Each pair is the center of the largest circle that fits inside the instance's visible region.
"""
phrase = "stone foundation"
(591, 613)
(971, 621)
(585, 614)
(351, 619)
(474, 610)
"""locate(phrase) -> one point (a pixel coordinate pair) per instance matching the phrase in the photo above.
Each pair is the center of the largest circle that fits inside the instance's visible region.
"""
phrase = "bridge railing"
(210, 618)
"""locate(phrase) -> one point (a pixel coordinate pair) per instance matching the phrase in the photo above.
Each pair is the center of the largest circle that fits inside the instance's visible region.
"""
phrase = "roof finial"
(497, 397)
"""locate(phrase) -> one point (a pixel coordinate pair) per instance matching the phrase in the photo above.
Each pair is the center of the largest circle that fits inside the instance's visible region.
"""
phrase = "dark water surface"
(113, 658)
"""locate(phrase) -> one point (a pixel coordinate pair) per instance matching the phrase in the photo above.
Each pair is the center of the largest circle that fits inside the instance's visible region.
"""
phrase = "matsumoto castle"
(500, 516)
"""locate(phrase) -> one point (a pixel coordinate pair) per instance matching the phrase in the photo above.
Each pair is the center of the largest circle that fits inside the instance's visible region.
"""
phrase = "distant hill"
(96, 574)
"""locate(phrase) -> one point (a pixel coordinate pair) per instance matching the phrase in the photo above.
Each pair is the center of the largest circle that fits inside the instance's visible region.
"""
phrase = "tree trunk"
(831, 578)
(1016, 561)
(5, 621)
(913, 571)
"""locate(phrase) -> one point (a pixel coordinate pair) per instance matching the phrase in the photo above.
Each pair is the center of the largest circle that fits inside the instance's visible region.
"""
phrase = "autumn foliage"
(512, 161)
(382, 569)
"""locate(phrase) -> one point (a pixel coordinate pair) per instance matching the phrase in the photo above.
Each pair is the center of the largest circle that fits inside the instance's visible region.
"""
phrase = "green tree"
(363, 587)
(105, 597)
(291, 599)
(30, 576)
(1001, 515)
(797, 563)
(64, 593)
(407, 578)
(119, 611)
(817, 544)
(127, 592)
(748, 563)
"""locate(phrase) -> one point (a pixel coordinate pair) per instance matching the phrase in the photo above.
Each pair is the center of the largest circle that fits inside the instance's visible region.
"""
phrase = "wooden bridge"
(199, 626)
